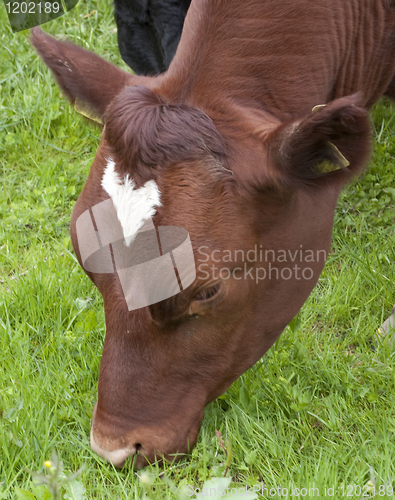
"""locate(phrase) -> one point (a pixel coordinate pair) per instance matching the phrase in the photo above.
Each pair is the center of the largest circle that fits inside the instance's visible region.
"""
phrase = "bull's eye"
(208, 293)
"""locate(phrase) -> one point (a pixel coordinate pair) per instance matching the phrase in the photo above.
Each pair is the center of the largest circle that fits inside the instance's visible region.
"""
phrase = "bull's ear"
(331, 144)
(86, 79)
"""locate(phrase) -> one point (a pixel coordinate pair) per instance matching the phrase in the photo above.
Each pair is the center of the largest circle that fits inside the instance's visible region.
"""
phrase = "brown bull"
(226, 145)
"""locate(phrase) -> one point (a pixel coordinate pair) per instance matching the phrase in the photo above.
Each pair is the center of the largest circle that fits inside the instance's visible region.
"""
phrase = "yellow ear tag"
(331, 166)
(343, 162)
(316, 108)
(84, 109)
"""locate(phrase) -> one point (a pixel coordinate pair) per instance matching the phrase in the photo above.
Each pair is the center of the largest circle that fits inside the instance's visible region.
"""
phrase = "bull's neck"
(282, 57)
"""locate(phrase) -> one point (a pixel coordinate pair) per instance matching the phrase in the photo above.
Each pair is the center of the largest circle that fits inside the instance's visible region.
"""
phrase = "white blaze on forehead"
(133, 206)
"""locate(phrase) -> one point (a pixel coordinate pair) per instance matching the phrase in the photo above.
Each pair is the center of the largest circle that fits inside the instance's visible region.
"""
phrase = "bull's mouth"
(119, 457)
(138, 448)
(116, 457)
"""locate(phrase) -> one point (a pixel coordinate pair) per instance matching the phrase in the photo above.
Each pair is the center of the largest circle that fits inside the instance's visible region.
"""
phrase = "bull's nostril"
(138, 447)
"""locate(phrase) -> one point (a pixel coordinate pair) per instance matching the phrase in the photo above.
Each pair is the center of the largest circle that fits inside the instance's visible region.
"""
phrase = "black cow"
(149, 32)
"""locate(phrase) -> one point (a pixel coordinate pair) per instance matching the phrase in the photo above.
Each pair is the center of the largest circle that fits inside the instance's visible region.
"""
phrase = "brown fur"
(229, 135)
(146, 131)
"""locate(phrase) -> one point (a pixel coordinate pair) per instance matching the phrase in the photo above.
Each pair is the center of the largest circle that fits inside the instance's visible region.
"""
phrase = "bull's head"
(257, 198)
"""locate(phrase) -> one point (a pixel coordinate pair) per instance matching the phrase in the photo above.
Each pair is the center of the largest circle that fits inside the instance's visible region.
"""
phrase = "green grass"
(317, 411)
